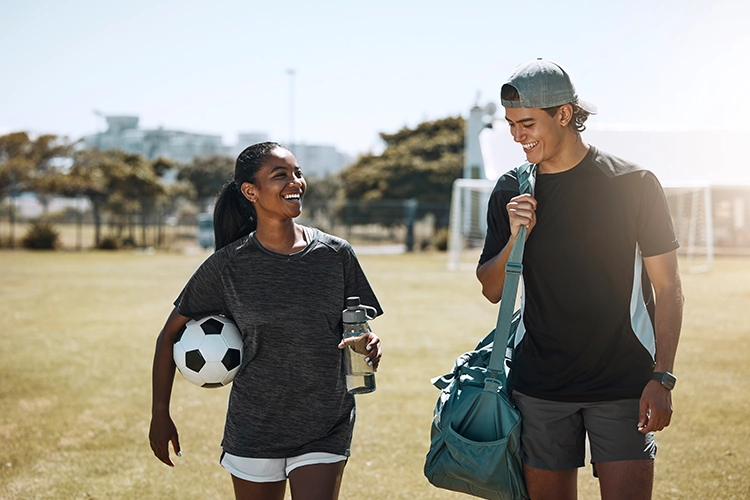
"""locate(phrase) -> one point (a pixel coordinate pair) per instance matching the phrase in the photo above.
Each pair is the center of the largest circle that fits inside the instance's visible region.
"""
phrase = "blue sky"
(361, 67)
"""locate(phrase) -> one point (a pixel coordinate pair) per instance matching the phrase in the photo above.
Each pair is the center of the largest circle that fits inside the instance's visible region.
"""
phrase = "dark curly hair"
(580, 115)
(234, 215)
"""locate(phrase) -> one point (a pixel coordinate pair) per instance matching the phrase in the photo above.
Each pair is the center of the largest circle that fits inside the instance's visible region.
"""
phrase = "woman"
(285, 286)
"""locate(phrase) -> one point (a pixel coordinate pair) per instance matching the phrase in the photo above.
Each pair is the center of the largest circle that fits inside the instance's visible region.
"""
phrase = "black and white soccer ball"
(208, 352)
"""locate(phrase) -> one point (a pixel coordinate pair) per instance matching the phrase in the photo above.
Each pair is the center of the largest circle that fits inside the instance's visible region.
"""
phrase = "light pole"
(99, 133)
(479, 119)
(291, 73)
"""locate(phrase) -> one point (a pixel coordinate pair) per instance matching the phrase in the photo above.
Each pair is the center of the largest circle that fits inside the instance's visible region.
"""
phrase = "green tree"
(91, 176)
(419, 163)
(168, 201)
(138, 184)
(30, 164)
(51, 155)
(162, 165)
(117, 182)
(207, 174)
(16, 164)
(322, 200)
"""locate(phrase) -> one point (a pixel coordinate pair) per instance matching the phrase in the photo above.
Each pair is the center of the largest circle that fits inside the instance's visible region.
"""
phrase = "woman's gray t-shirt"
(289, 397)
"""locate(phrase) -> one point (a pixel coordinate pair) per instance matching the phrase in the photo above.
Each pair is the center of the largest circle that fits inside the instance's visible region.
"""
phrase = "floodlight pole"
(99, 133)
(291, 74)
(479, 119)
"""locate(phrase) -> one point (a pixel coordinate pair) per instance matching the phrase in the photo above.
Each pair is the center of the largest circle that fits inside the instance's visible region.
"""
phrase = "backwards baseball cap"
(541, 84)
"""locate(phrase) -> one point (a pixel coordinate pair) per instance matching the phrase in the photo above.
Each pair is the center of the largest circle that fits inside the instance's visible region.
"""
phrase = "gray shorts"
(554, 433)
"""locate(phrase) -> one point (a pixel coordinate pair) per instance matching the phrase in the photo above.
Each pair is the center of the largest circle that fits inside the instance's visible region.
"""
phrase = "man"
(594, 354)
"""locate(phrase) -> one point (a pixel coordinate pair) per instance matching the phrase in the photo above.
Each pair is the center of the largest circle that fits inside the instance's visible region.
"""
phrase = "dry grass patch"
(78, 335)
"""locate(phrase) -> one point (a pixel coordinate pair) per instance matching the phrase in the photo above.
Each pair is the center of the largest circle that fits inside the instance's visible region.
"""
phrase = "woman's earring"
(249, 195)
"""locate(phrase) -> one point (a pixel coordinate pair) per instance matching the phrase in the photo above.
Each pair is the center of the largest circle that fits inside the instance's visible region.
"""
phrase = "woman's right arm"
(163, 430)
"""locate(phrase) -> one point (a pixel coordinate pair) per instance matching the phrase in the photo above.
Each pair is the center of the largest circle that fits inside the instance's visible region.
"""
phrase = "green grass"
(77, 337)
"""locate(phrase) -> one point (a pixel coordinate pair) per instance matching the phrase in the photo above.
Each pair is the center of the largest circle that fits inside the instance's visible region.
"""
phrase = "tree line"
(417, 163)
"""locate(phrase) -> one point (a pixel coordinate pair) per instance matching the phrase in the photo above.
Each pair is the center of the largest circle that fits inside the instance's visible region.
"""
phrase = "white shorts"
(268, 470)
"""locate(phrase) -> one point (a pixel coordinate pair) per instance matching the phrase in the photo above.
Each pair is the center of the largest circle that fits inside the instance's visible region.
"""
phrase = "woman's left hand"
(371, 347)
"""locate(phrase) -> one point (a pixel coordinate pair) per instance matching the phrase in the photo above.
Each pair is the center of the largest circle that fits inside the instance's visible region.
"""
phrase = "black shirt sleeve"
(498, 222)
(655, 230)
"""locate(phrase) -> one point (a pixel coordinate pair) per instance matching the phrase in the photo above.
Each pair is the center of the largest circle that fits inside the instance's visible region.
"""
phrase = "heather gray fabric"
(289, 397)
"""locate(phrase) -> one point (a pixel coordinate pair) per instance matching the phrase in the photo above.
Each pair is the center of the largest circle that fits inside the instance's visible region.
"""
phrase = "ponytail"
(234, 216)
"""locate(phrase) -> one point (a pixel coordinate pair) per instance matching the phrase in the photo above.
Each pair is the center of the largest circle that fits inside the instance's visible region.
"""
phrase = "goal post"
(692, 215)
(468, 217)
(690, 208)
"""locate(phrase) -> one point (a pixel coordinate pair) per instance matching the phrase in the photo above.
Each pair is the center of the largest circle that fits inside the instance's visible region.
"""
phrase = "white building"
(123, 133)
(245, 139)
(318, 160)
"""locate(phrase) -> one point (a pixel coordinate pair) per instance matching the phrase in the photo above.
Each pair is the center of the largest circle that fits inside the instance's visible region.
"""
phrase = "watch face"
(668, 380)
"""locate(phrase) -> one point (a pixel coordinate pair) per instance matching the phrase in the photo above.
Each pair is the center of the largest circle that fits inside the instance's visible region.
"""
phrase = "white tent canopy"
(677, 157)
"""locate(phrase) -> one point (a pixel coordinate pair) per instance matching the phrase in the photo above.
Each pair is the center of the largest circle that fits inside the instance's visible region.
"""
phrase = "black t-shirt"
(587, 332)
(289, 397)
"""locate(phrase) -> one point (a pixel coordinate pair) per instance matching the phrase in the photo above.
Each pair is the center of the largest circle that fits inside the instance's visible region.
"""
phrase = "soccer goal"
(692, 215)
(468, 218)
(690, 207)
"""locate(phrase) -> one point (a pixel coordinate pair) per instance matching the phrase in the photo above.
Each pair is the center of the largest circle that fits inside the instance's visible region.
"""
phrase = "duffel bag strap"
(513, 269)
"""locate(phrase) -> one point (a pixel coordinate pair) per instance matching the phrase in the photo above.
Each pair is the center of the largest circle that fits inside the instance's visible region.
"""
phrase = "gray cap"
(542, 84)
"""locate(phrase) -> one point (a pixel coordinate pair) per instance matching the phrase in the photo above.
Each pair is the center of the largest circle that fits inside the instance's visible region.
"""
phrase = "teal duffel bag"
(476, 433)
(475, 445)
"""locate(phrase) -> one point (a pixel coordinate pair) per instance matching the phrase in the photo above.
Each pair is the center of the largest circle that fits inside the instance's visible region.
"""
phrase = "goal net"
(692, 216)
(468, 218)
(690, 207)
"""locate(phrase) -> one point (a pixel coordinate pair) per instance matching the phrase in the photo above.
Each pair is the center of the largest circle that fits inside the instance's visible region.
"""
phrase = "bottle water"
(360, 376)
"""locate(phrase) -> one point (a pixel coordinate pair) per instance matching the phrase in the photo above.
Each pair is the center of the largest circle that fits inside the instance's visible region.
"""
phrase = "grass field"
(78, 333)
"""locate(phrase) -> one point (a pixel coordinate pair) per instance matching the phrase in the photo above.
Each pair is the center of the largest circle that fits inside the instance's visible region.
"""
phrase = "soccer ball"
(208, 352)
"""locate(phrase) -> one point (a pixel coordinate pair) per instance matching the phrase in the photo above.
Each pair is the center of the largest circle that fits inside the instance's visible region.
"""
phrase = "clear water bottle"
(360, 376)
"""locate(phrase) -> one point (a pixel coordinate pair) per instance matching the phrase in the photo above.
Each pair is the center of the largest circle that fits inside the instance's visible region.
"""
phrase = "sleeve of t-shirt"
(655, 229)
(203, 294)
(355, 281)
(498, 222)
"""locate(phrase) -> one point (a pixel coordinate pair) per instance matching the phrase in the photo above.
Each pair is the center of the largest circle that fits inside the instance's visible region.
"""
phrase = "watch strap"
(666, 379)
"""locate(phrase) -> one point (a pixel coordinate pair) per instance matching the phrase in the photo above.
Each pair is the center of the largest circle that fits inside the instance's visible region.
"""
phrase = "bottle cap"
(354, 312)
(352, 302)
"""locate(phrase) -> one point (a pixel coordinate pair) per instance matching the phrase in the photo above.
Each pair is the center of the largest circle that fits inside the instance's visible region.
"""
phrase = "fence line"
(407, 222)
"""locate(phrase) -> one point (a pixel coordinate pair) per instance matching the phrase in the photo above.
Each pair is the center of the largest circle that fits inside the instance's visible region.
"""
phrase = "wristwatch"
(666, 379)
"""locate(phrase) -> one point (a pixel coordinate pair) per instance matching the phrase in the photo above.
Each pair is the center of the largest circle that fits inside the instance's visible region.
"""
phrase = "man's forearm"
(491, 274)
(668, 323)
(665, 276)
